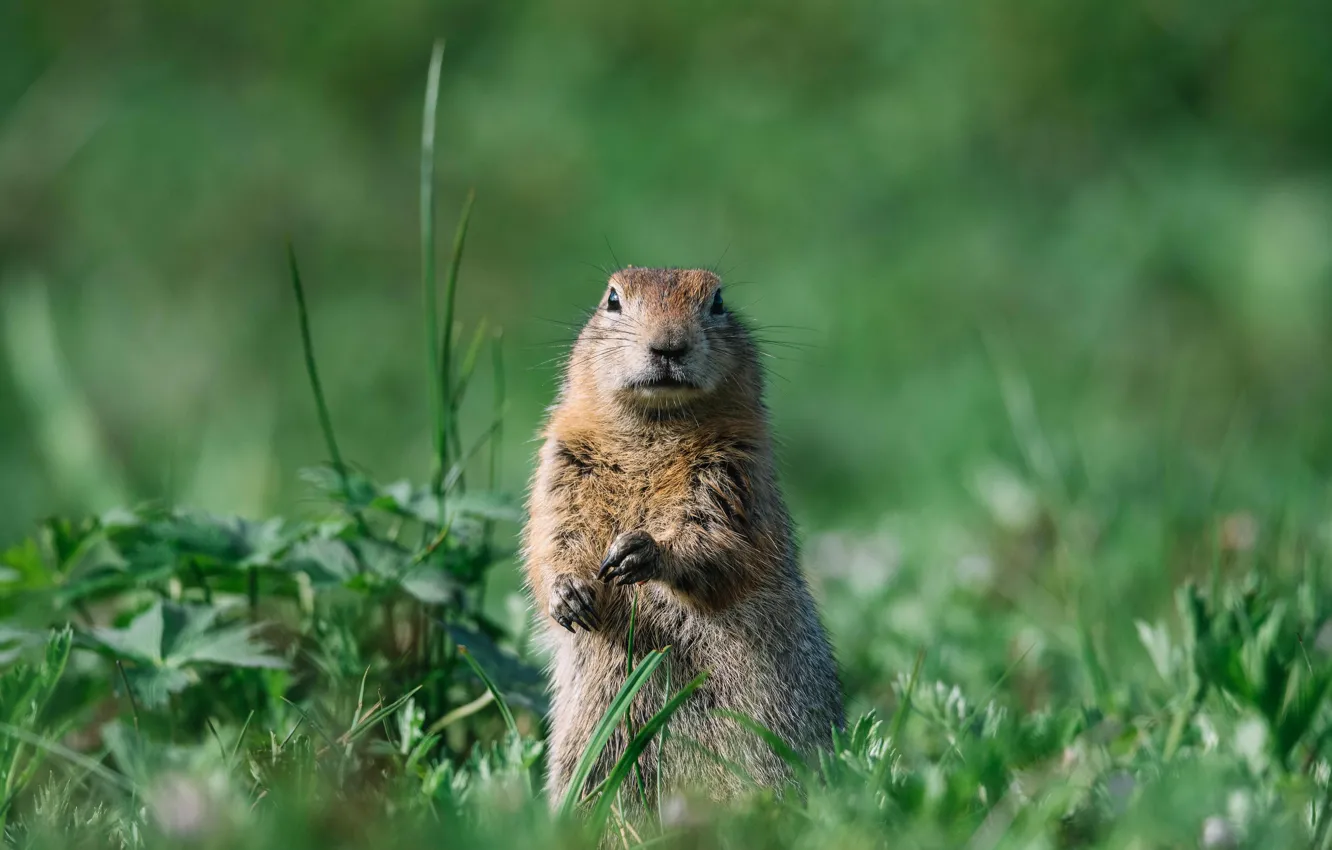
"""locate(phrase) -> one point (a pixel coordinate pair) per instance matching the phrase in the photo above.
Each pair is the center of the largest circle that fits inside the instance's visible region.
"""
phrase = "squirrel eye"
(613, 302)
(717, 307)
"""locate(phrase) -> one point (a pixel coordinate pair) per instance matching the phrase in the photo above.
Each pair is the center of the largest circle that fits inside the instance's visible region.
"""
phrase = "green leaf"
(483, 505)
(167, 641)
(153, 685)
(431, 585)
(141, 640)
(360, 492)
(234, 646)
(24, 560)
(326, 561)
(382, 560)
(232, 541)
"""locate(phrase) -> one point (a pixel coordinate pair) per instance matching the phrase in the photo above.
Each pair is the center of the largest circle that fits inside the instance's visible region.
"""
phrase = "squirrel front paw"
(633, 557)
(573, 603)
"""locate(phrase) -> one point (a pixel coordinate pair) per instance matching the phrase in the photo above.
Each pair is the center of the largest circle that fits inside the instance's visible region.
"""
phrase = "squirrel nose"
(672, 350)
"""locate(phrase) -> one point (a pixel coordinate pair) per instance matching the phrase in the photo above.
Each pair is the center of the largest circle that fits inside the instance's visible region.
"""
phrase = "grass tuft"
(601, 735)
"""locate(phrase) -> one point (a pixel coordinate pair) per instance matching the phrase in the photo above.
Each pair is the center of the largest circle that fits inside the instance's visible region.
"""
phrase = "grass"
(179, 678)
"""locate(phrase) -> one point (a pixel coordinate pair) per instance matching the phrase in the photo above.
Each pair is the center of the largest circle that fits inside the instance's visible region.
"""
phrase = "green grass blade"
(240, 739)
(497, 374)
(629, 760)
(492, 687)
(661, 750)
(378, 713)
(629, 644)
(310, 723)
(221, 748)
(455, 476)
(468, 368)
(462, 712)
(733, 767)
(774, 741)
(500, 400)
(92, 766)
(321, 404)
(450, 295)
(312, 371)
(606, 727)
(459, 383)
(904, 710)
(629, 668)
(428, 293)
(360, 696)
(1097, 678)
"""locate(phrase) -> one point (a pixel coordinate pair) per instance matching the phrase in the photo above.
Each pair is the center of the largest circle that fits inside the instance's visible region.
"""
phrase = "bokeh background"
(1019, 255)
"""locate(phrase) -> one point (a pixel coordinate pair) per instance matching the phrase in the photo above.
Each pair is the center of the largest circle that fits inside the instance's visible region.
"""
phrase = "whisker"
(562, 323)
(794, 346)
(618, 264)
(805, 328)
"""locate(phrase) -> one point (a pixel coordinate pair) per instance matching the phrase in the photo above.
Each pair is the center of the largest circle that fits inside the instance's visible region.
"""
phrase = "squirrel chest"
(671, 485)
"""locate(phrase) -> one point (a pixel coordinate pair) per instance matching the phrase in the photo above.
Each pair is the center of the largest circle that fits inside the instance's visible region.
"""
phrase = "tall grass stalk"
(629, 668)
(438, 391)
(446, 346)
(497, 435)
(904, 710)
(321, 404)
(500, 402)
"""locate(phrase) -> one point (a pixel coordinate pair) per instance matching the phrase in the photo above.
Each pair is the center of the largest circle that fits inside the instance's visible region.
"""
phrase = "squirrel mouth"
(663, 382)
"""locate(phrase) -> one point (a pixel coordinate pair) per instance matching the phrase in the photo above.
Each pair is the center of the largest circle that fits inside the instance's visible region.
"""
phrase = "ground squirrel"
(656, 476)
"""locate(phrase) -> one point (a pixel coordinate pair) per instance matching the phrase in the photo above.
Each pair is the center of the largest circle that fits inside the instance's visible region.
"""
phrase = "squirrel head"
(663, 341)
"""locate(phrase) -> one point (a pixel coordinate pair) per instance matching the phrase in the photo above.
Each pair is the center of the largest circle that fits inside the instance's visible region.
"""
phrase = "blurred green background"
(1019, 248)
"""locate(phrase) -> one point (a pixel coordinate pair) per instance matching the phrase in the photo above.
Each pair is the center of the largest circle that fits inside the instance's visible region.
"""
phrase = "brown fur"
(676, 487)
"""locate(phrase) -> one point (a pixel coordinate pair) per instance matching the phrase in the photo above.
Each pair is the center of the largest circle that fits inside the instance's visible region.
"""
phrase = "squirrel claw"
(572, 603)
(632, 558)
